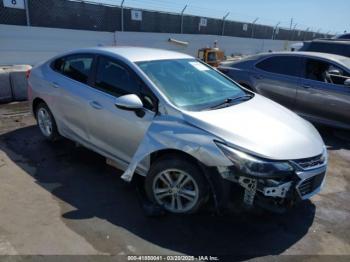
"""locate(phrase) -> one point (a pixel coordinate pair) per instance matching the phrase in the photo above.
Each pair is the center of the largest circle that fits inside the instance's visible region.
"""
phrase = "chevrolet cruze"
(193, 133)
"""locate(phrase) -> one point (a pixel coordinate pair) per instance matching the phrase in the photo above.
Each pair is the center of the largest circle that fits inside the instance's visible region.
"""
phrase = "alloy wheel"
(45, 122)
(175, 190)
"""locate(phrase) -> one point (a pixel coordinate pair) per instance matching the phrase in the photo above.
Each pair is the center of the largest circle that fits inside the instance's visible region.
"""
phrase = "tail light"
(29, 88)
(28, 74)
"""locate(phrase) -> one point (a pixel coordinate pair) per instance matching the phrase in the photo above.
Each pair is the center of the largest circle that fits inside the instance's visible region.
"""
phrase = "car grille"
(312, 162)
(310, 184)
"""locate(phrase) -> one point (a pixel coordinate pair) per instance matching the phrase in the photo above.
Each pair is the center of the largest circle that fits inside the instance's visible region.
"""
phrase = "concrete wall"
(30, 45)
(230, 45)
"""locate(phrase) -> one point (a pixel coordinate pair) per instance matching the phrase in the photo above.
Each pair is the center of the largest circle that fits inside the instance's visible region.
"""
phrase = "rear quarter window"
(77, 66)
(57, 65)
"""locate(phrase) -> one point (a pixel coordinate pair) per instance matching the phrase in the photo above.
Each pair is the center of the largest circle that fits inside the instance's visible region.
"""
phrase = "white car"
(190, 130)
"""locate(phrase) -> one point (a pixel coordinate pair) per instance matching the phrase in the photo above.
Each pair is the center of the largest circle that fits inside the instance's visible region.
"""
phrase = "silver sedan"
(188, 129)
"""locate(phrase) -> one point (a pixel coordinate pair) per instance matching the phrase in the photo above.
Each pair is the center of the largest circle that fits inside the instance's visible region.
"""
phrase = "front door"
(323, 96)
(115, 131)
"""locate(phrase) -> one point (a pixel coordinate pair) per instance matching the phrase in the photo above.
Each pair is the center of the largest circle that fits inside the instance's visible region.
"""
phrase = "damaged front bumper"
(277, 194)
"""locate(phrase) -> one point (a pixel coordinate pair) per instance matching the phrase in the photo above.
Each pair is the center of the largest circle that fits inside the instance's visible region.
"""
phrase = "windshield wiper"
(230, 101)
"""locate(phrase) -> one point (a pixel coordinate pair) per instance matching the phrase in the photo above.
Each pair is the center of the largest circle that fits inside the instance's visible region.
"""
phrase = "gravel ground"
(59, 199)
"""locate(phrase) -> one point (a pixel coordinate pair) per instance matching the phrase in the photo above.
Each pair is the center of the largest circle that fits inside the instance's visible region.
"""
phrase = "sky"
(324, 15)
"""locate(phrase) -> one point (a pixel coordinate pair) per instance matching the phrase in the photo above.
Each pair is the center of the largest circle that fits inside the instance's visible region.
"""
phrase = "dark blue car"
(314, 85)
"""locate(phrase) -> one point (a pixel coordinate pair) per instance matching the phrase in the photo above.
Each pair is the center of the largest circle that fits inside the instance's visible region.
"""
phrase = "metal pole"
(318, 31)
(291, 24)
(122, 15)
(274, 30)
(293, 31)
(307, 30)
(182, 18)
(27, 12)
(253, 24)
(223, 23)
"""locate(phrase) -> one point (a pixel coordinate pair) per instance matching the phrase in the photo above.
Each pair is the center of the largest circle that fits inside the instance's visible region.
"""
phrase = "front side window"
(77, 67)
(113, 78)
(284, 65)
(322, 71)
(190, 84)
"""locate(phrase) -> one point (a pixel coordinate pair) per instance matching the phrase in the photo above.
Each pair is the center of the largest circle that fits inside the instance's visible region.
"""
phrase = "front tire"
(177, 185)
(46, 122)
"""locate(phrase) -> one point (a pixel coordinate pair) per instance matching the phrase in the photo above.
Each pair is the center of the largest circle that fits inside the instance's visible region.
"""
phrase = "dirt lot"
(62, 199)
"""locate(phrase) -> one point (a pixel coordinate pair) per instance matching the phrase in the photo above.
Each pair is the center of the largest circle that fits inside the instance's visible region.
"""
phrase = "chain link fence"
(98, 17)
(12, 16)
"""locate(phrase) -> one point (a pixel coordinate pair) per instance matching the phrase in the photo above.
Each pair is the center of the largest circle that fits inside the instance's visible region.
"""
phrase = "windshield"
(212, 56)
(190, 84)
(345, 61)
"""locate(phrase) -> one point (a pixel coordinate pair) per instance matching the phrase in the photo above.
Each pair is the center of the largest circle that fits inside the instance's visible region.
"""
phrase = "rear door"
(323, 96)
(71, 81)
(278, 78)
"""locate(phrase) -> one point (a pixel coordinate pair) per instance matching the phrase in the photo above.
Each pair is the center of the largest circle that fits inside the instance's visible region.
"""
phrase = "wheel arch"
(162, 153)
(209, 174)
(35, 103)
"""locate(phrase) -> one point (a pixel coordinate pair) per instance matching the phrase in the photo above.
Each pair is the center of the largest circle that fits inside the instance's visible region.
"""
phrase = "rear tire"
(46, 122)
(177, 185)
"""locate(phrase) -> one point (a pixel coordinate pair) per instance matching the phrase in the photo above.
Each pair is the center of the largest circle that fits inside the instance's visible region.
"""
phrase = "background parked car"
(315, 85)
(330, 46)
(344, 36)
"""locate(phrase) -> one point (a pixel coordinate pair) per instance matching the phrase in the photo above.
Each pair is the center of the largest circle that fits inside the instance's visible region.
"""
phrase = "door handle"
(55, 85)
(306, 86)
(96, 105)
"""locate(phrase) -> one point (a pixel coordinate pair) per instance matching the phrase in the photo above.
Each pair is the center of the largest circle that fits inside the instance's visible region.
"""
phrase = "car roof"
(137, 54)
(345, 61)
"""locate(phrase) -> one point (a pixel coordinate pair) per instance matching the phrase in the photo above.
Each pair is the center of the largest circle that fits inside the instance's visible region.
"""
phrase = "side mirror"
(347, 82)
(334, 72)
(129, 102)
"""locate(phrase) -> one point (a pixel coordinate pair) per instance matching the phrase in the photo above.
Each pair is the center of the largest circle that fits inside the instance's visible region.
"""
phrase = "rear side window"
(77, 67)
(57, 65)
(323, 71)
(284, 65)
(114, 78)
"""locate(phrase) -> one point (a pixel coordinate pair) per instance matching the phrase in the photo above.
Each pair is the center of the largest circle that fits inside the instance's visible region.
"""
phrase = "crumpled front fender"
(167, 132)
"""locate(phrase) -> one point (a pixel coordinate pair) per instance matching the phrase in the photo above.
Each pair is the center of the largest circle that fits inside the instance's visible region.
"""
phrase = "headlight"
(254, 166)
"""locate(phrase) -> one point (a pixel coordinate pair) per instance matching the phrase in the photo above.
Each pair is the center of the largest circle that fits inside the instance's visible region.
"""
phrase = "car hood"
(261, 127)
